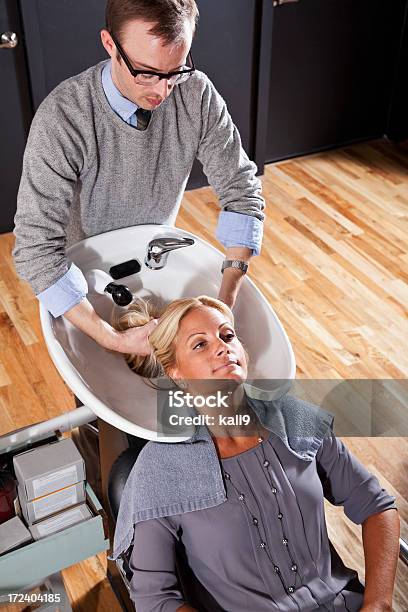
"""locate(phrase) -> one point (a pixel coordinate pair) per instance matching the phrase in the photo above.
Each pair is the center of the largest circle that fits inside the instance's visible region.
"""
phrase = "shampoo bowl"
(102, 380)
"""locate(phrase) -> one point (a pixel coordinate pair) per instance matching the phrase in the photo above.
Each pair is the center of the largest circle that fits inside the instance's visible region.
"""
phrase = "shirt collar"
(121, 105)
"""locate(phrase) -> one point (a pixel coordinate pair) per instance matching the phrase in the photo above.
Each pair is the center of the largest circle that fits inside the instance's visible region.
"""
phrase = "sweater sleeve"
(154, 586)
(52, 164)
(225, 163)
(346, 482)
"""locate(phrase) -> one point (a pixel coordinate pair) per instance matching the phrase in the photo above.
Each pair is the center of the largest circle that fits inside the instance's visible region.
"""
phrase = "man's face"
(145, 52)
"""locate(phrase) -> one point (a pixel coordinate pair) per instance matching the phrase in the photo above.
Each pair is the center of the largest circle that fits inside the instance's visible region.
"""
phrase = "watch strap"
(234, 263)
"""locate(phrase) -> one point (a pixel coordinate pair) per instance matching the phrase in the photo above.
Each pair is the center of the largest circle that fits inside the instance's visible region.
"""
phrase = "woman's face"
(207, 348)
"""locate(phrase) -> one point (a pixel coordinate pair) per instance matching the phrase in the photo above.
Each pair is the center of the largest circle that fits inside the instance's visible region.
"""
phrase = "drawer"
(33, 562)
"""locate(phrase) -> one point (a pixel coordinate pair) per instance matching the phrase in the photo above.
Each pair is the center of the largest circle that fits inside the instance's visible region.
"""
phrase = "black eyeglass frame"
(161, 75)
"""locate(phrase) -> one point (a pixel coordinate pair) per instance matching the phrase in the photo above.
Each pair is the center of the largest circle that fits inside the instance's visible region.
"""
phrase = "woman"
(261, 543)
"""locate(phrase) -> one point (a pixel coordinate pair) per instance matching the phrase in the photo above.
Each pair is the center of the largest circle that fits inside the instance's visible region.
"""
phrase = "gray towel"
(173, 478)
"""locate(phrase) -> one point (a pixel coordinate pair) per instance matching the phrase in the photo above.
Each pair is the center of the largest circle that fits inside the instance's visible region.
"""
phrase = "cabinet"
(332, 73)
(15, 114)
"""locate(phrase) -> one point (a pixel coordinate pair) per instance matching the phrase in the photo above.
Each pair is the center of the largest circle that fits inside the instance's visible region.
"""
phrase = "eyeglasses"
(148, 77)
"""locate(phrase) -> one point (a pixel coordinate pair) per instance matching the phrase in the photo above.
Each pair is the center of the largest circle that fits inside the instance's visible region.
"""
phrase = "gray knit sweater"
(86, 171)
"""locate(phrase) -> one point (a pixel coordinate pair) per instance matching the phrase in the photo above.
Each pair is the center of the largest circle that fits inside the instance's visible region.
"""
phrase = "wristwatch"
(234, 263)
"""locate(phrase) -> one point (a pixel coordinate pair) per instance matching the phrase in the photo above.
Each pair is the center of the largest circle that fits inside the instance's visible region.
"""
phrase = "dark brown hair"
(168, 16)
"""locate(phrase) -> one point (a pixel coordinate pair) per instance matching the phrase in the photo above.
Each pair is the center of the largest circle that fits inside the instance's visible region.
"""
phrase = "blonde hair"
(163, 338)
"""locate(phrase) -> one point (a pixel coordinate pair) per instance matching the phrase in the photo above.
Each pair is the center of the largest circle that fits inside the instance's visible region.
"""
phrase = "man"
(96, 161)
(113, 147)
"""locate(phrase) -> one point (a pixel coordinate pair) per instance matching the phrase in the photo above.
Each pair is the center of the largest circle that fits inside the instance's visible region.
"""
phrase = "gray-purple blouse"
(266, 548)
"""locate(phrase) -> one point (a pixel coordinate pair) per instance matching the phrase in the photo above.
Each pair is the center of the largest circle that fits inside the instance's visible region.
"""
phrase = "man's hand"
(133, 340)
(232, 277)
(136, 339)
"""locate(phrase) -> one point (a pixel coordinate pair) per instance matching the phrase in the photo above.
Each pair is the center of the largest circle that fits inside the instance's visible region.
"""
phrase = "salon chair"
(119, 571)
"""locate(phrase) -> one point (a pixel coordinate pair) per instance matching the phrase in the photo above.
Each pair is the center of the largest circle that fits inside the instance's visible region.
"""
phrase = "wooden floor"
(334, 266)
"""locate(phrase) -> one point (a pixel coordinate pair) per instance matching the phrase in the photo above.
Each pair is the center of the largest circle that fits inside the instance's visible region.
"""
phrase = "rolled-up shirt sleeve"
(234, 229)
(65, 293)
(154, 586)
(346, 482)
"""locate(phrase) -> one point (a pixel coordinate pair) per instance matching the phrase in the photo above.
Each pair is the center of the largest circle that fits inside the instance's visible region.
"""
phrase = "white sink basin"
(102, 380)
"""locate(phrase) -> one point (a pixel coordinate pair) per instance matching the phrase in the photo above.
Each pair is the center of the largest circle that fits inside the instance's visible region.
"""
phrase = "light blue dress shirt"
(233, 229)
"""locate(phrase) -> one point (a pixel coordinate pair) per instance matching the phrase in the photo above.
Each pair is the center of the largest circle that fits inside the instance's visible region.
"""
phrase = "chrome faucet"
(158, 250)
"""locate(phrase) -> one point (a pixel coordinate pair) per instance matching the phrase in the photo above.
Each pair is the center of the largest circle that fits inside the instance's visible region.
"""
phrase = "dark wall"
(62, 39)
(332, 72)
(397, 129)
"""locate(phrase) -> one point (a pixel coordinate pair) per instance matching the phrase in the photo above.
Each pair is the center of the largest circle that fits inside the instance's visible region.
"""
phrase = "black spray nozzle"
(121, 295)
